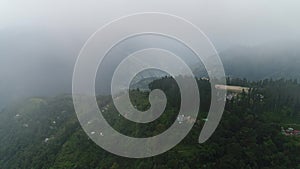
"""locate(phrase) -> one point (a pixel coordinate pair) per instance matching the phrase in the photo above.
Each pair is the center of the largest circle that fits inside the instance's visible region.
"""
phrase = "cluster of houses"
(290, 132)
(182, 118)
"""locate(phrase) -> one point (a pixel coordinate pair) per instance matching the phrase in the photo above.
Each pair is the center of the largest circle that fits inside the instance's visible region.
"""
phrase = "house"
(188, 119)
(290, 132)
(233, 89)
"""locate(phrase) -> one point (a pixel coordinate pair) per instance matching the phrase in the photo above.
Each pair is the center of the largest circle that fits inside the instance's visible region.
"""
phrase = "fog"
(40, 40)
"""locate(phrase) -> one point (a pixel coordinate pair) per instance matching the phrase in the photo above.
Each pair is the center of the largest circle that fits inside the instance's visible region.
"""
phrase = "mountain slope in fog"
(40, 63)
(275, 60)
(44, 133)
(267, 61)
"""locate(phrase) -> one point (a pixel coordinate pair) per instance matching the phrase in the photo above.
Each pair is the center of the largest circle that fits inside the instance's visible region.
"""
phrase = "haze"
(40, 40)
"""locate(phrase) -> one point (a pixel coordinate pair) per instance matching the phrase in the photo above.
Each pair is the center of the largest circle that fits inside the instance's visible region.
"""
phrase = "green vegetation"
(45, 133)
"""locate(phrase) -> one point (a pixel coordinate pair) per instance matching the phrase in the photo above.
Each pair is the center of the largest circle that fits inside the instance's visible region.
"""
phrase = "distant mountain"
(144, 78)
(36, 63)
(256, 63)
(274, 61)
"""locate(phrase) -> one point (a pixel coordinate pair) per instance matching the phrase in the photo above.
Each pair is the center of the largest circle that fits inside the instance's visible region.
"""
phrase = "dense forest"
(44, 133)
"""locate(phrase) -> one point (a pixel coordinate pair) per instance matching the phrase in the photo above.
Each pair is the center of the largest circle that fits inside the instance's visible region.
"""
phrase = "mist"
(40, 40)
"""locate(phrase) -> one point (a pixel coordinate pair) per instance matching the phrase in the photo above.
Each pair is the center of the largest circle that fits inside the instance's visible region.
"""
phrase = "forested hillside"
(44, 133)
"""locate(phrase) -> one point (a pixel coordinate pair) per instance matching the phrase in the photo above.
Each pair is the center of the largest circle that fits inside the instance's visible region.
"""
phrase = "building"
(290, 132)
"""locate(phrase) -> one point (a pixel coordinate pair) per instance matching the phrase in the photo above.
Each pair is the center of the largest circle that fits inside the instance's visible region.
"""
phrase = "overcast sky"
(227, 23)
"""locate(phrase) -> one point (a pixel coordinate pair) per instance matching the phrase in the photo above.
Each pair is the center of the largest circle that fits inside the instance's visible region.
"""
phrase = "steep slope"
(45, 134)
